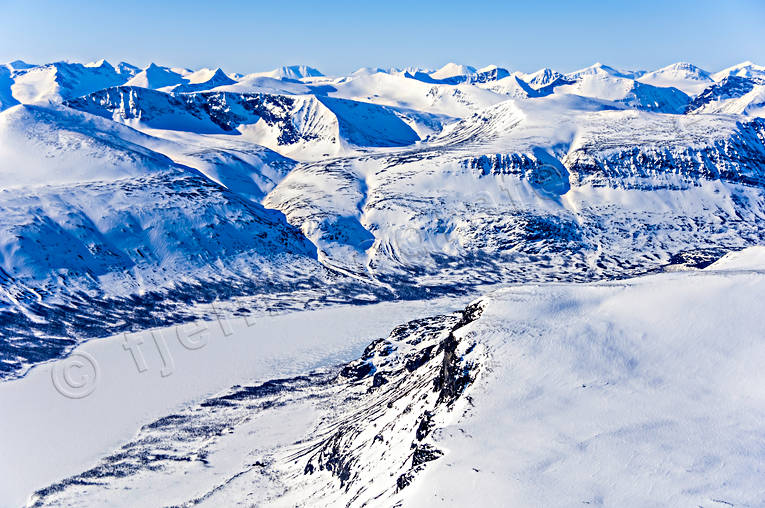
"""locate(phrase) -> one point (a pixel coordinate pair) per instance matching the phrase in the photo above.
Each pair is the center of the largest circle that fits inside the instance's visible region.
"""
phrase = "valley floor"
(640, 392)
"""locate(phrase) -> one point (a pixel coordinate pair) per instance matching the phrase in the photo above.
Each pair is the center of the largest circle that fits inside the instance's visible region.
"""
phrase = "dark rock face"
(213, 111)
(423, 454)
(696, 258)
(731, 87)
(490, 75)
(738, 159)
(370, 439)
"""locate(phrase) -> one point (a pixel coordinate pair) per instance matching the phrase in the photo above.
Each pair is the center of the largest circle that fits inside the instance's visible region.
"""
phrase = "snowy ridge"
(732, 95)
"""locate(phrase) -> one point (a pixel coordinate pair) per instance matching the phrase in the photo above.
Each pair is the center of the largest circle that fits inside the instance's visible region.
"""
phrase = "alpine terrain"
(396, 287)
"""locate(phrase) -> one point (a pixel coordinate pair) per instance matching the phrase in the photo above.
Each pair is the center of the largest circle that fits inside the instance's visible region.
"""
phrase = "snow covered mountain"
(451, 71)
(743, 70)
(137, 200)
(489, 73)
(390, 184)
(684, 76)
(542, 77)
(599, 69)
(289, 123)
(156, 77)
(731, 95)
(204, 79)
(62, 80)
(293, 72)
(602, 82)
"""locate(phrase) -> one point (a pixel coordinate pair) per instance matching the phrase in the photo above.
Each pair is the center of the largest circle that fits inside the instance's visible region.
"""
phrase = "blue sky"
(340, 36)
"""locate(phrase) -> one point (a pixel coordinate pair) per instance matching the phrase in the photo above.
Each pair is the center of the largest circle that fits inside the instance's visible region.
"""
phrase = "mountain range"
(130, 196)
(396, 287)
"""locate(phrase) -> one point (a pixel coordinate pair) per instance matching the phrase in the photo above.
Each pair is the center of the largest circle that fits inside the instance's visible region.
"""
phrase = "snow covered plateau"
(399, 287)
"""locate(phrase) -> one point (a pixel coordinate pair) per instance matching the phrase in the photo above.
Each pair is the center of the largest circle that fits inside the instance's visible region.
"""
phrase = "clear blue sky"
(340, 36)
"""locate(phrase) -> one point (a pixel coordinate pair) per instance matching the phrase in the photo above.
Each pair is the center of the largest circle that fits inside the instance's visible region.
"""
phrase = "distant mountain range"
(134, 195)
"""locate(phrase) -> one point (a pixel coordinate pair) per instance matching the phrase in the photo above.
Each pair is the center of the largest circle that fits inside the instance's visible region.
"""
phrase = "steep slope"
(6, 94)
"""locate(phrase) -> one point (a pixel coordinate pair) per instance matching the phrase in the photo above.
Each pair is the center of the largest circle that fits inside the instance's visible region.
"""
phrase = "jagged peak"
(99, 63)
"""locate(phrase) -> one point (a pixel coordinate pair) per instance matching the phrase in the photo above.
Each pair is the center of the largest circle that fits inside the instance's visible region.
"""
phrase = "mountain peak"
(542, 77)
(99, 63)
(602, 69)
(747, 69)
(297, 72)
(155, 76)
(451, 70)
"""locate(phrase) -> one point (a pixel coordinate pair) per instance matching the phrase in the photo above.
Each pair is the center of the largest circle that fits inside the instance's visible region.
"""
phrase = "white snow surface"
(644, 392)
